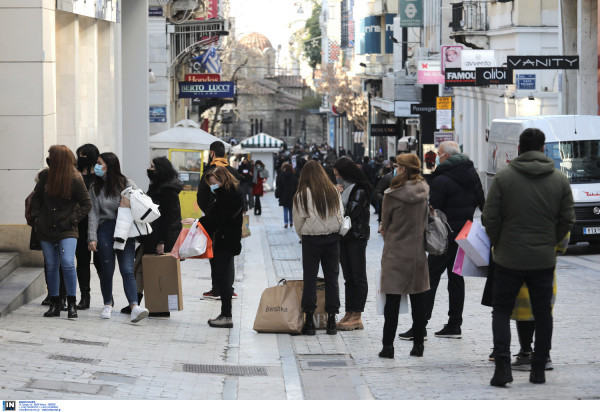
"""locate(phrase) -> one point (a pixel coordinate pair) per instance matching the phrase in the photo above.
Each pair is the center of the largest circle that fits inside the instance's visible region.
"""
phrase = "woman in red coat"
(261, 174)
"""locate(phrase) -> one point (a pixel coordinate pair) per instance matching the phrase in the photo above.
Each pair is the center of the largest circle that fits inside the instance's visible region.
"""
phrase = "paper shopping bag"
(475, 242)
(279, 311)
(464, 266)
(320, 315)
(246, 226)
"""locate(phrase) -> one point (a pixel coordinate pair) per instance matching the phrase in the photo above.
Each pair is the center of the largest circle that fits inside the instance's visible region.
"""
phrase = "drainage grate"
(226, 369)
(83, 342)
(73, 359)
(327, 364)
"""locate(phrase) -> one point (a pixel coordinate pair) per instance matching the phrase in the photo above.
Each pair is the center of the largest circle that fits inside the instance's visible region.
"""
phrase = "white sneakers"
(138, 313)
(106, 312)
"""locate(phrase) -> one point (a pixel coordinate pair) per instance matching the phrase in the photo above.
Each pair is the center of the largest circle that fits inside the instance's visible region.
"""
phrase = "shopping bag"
(246, 226)
(346, 225)
(320, 315)
(380, 298)
(194, 243)
(464, 266)
(279, 310)
(475, 242)
(208, 253)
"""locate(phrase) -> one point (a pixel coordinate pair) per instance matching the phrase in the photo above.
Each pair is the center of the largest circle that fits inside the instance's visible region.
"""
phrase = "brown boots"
(351, 321)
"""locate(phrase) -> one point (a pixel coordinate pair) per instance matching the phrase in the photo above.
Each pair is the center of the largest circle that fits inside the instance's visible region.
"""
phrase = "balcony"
(469, 17)
(186, 37)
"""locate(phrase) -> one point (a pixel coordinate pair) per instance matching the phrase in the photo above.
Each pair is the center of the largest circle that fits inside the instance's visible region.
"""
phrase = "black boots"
(71, 307)
(538, 367)
(127, 309)
(84, 302)
(46, 301)
(503, 373)
(54, 309)
(63, 303)
(417, 349)
(387, 352)
(331, 326)
(309, 324)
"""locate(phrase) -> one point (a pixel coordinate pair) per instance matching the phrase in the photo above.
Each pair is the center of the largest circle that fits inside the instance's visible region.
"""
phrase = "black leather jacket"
(359, 212)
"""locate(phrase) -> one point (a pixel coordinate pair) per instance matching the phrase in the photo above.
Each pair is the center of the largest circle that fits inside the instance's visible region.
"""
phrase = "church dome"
(255, 41)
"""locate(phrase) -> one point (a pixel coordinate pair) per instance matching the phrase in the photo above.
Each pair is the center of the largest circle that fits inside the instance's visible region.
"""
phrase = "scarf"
(219, 161)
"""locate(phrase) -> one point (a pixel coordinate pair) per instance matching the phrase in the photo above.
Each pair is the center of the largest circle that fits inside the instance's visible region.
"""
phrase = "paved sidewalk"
(183, 358)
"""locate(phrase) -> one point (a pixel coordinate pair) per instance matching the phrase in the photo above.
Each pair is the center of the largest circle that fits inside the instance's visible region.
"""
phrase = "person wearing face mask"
(260, 175)
(87, 156)
(206, 200)
(105, 193)
(356, 192)
(223, 223)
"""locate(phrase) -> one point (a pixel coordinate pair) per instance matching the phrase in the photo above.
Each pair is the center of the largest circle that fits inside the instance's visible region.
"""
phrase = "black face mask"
(150, 173)
(48, 161)
(82, 163)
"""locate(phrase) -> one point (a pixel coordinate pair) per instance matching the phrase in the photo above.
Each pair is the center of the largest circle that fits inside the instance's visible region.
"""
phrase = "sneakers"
(409, 335)
(549, 365)
(221, 322)
(106, 312)
(523, 362)
(448, 331)
(138, 313)
(234, 296)
(210, 295)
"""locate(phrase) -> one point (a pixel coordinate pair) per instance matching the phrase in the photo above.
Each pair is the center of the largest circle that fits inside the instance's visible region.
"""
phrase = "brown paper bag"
(246, 226)
(320, 315)
(279, 310)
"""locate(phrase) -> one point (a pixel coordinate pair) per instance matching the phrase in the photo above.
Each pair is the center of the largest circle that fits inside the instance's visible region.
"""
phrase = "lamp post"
(369, 125)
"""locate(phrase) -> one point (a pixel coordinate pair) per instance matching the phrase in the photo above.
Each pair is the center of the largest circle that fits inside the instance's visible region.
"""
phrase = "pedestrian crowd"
(78, 204)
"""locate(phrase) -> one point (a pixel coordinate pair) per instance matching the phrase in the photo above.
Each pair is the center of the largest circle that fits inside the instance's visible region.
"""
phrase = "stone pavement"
(183, 358)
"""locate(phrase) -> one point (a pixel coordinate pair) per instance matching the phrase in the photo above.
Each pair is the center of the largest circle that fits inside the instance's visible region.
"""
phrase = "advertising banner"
(542, 62)
(389, 32)
(206, 90)
(471, 59)
(429, 72)
(402, 109)
(443, 119)
(458, 77)
(411, 13)
(451, 57)
(203, 77)
(439, 137)
(372, 35)
(384, 130)
(493, 75)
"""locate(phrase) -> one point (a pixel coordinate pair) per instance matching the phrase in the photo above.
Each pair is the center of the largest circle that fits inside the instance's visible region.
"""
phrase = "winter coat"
(456, 190)
(311, 224)
(260, 175)
(287, 184)
(126, 227)
(205, 198)
(383, 184)
(245, 173)
(223, 222)
(166, 228)
(528, 211)
(404, 267)
(56, 218)
(358, 209)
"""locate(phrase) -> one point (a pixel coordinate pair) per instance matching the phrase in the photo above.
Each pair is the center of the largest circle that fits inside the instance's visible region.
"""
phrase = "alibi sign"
(493, 75)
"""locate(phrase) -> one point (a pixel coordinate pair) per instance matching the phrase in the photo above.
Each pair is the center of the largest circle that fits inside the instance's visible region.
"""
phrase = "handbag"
(208, 254)
(346, 225)
(279, 310)
(436, 231)
(246, 226)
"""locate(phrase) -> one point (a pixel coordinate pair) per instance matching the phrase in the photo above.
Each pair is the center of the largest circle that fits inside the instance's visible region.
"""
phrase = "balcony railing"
(196, 32)
(469, 16)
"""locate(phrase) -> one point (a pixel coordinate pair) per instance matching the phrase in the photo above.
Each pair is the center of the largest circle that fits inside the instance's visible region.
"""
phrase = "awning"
(186, 134)
(261, 141)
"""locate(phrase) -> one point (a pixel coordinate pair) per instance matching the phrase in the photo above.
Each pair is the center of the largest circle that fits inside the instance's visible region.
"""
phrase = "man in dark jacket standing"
(529, 210)
(206, 199)
(456, 190)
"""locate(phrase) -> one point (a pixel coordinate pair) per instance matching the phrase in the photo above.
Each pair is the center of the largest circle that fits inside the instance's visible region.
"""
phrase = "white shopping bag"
(380, 297)
(194, 243)
(475, 242)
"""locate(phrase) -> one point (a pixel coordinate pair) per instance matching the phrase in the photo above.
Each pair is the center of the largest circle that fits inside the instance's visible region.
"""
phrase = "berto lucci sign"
(206, 90)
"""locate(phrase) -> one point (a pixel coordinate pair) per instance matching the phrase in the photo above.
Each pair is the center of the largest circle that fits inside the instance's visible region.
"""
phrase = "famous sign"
(458, 77)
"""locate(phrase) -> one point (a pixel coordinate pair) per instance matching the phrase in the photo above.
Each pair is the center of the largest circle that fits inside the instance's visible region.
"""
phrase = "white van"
(573, 142)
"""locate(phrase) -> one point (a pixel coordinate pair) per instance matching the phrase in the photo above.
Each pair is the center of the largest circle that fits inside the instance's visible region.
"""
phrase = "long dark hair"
(324, 195)
(115, 181)
(351, 173)
(91, 152)
(163, 172)
(60, 171)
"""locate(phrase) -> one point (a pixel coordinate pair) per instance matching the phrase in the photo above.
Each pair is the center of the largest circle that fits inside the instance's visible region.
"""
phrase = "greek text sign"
(411, 13)
(542, 62)
(430, 72)
(526, 81)
(204, 90)
(493, 75)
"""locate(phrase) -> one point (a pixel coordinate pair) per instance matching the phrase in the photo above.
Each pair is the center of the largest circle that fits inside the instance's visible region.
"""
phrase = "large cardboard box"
(162, 283)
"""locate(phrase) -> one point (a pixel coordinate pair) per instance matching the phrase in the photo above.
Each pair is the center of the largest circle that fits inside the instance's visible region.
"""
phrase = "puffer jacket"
(167, 227)
(129, 225)
(357, 209)
(310, 223)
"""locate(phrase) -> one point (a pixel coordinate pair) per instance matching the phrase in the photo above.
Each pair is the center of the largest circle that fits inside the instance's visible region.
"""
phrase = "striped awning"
(261, 141)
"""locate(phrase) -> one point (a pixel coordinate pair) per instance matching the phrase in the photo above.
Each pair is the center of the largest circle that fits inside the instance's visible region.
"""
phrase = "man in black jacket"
(456, 190)
(206, 199)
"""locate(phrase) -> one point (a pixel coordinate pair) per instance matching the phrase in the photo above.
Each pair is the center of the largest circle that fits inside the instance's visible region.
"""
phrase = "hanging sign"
(206, 90)
(471, 59)
(430, 72)
(443, 103)
(203, 77)
(411, 13)
(493, 75)
(526, 81)
(457, 77)
(542, 62)
(384, 130)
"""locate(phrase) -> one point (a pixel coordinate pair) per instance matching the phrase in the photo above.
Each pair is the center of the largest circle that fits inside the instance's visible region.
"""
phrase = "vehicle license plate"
(591, 230)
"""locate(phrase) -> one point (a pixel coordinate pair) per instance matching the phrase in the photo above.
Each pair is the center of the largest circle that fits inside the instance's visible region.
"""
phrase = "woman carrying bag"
(59, 203)
(105, 193)
(317, 214)
(356, 192)
(404, 269)
(261, 174)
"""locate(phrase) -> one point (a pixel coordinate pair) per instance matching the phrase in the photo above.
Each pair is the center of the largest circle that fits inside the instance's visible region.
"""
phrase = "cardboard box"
(162, 283)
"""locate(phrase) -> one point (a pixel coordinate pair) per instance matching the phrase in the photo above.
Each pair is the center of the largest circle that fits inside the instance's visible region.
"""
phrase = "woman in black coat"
(223, 223)
(356, 192)
(287, 184)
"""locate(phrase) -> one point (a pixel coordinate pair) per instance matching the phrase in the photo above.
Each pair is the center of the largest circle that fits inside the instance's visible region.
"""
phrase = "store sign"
(430, 72)
(155, 11)
(472, 59)
(206, 90)
(158, 114)
(525, 81)
(372, 27)
(402, 109)
(418, 109)
(457, 77)
(413, 122)
(451, 57)
(439, 137)
(384, 130)
(411, 13)
(203, 77)
(542, 62)
(493, 75)
(443, 103)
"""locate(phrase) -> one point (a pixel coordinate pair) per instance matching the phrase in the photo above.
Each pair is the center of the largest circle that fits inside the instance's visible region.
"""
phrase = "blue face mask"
(214, 187)
(98, 170)
(437, 160)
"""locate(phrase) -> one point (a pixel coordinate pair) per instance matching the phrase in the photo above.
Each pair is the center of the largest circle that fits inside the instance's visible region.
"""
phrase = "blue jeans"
(287, 215)
(107, 253)
(56, 255)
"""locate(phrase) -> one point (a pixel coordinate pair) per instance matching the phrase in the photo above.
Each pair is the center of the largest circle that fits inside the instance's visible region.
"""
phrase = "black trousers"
(507, 283)
(257, 205)
(525, 330)
(325, 250)
(391, 312)
(84, 257)
(456, 286)
(354, 267)
(223, 262)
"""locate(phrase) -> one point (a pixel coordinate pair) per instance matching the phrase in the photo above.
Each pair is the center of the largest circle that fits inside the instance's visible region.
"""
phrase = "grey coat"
(404, 267)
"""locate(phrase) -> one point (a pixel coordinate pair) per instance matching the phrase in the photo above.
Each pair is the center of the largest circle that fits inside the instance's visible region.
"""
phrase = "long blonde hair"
(412, 164)
(324, 195)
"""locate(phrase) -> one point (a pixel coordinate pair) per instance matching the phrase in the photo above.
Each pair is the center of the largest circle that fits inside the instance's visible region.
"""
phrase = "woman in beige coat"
(404, 268)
